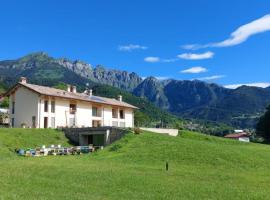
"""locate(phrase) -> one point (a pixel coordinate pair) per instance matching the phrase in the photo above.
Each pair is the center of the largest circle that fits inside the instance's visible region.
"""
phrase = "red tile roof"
(236, 135)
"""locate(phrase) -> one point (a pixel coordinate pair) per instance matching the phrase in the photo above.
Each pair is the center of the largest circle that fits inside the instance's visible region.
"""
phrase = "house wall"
(29, 104)
(83, 116)
(129, 118)
(107, 117)
(244, 139)
(26, 106)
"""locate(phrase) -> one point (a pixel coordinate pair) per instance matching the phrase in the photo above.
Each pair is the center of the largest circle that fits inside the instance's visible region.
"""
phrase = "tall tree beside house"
(3, 102)
(3, 88)
(263, 126)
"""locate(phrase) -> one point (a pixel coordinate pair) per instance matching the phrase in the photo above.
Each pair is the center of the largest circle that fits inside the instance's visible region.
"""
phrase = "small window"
(114, 113)
(122, 114)
(72, 109)
(46, 106)
(53, 107)
(53, 122)
(13, 107)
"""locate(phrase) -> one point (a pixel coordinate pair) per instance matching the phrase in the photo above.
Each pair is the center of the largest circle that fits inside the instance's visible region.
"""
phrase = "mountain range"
(195, 99)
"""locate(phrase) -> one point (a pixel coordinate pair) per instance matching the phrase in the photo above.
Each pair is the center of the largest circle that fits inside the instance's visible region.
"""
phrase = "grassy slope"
(201, 167)
(10, 139)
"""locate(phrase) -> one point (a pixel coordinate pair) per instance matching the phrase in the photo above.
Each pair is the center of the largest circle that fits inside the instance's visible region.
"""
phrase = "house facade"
(35, 106)
(240, 136)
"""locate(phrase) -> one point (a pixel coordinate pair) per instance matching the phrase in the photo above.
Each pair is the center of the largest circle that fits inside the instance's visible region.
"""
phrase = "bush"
(137, 131)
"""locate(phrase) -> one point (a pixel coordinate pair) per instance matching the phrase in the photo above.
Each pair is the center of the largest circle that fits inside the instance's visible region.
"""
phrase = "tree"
(141, 119)
(4, 103)
(263, 126)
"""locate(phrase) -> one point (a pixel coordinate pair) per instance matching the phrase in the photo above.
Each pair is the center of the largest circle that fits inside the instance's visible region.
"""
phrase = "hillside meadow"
(200, 167)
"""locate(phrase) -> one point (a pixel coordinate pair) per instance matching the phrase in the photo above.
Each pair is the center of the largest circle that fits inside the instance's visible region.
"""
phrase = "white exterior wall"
(244, 139)
(26, 106)
(107, 117)
(129, 118)
(84, 114)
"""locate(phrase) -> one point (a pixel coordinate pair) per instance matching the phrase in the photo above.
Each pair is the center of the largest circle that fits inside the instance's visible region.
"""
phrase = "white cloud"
(152, 59)
(131, 47)
(234, 86)
(194, 70)
(193, 56)
(240, 35)
(211, 78)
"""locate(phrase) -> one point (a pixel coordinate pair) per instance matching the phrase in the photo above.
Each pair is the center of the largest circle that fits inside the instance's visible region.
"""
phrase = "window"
(96, 123)
(114, 113)
(52, 122)
(122, 124)
(13, 107)
(53, 107)
(122, 114)
(94, 111)
(46, 106)
(33, 121)
(71, 122)
(72, 109)
(115, 123)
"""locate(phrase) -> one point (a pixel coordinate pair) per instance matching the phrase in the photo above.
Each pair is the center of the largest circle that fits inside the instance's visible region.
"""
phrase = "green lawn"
(200, 167)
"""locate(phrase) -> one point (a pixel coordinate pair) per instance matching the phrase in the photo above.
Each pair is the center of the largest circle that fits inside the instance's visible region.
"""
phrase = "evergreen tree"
(263, 126)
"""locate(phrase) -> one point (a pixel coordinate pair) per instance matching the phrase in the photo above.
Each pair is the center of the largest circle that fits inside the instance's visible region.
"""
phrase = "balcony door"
(45, 122)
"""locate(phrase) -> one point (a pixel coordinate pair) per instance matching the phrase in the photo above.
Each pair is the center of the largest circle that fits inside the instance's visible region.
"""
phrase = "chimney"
(23, 80)
(68, 87)
(73, 89)
(88, 92)
(120, 98)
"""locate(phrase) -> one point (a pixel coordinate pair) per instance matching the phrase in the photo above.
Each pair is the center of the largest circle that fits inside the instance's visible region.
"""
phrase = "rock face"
(196, 99)
(41, 66)
(100, 74)
(152, 89)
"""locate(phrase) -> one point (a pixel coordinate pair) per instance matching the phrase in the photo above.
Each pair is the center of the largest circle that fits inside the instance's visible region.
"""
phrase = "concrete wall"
(78, 136)
(171, 132)
(26, 107)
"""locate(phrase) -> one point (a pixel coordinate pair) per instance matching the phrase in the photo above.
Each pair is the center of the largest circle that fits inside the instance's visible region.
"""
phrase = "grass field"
(200, 167)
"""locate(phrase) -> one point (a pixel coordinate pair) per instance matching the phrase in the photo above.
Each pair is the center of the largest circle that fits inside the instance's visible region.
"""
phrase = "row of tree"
(263, 126)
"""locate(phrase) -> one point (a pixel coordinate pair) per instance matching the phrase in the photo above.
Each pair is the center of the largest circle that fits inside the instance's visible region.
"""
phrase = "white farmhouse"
(37, 106)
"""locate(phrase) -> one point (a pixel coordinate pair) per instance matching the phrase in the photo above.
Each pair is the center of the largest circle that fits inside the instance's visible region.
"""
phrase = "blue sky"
(148, 37)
